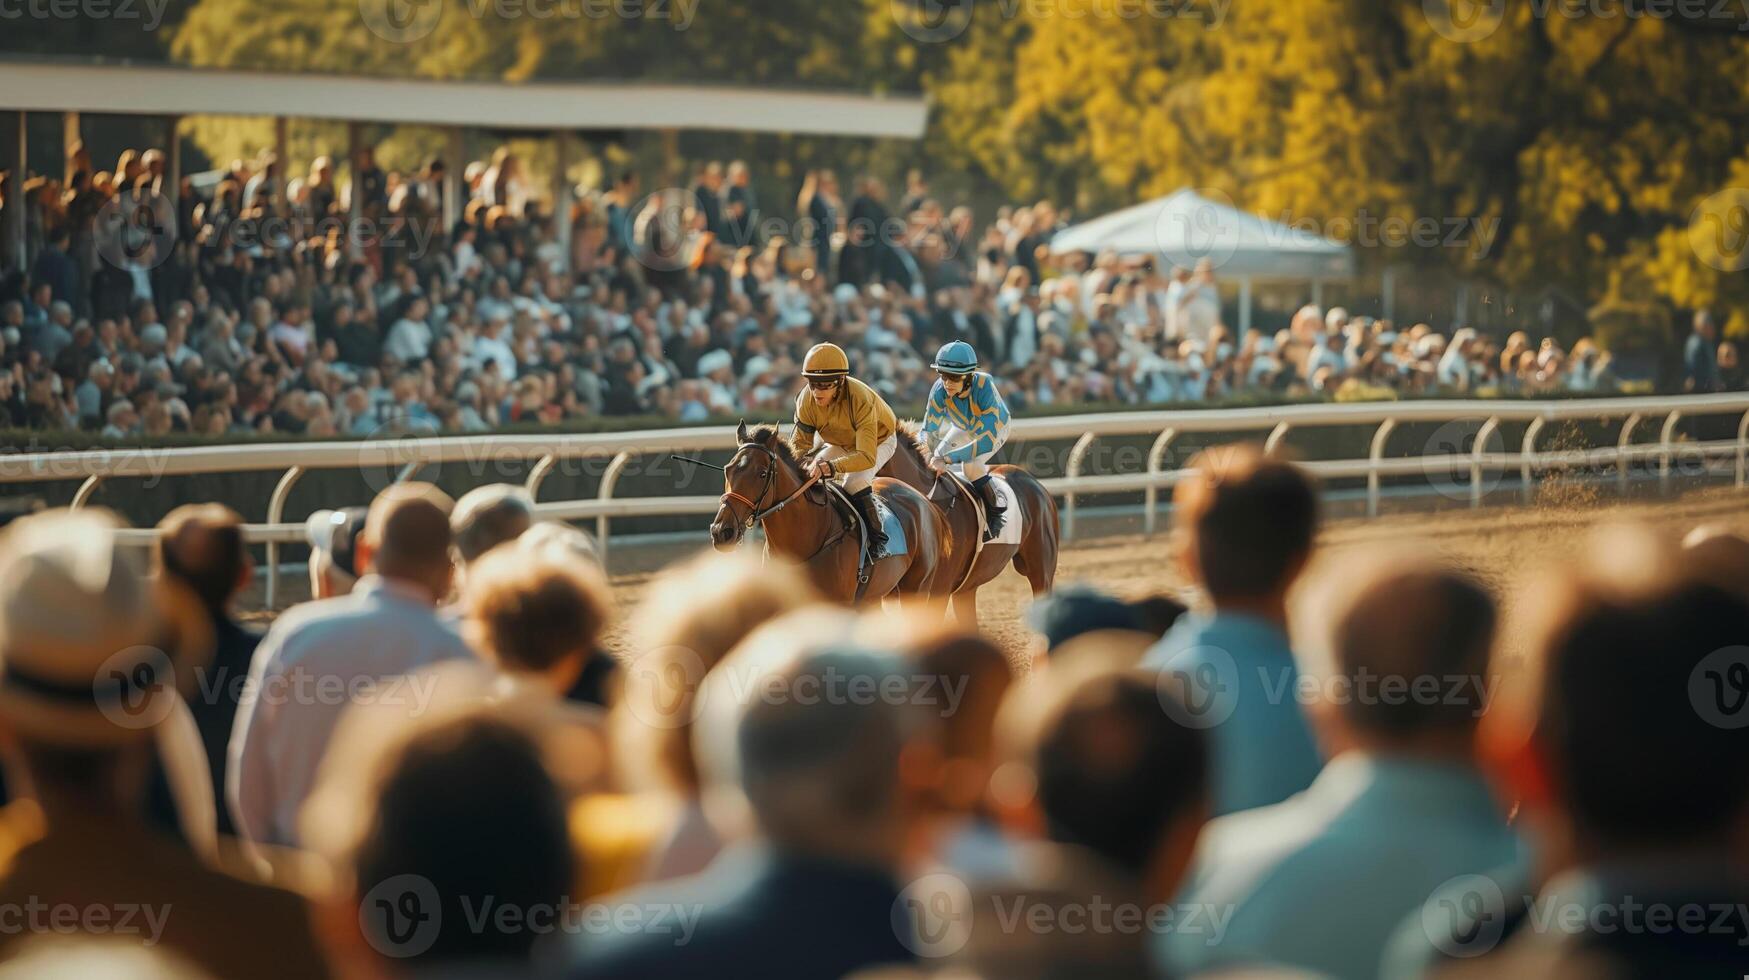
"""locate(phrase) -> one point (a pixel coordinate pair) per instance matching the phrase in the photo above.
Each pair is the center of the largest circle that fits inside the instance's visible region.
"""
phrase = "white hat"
(714, 361)
(92, 651)
(757, 365)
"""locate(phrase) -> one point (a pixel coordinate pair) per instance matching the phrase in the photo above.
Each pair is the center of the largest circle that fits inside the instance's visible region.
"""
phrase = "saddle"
(841, 501)
(958, 487)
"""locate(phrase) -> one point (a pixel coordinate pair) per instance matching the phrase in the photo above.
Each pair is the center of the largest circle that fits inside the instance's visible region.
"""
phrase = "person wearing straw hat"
(94, 660)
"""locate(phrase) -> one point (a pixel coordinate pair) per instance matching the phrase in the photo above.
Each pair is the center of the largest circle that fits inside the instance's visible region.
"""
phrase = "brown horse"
(766, 485)
(1036, 555)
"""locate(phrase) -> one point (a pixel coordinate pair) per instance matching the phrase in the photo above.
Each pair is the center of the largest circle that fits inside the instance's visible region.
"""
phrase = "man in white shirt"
(324, 656)
(1200, 305)
(492, 346)
(410, 338)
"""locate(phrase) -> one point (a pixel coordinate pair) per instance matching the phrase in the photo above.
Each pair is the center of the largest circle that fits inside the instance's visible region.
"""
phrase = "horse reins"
(754, 514)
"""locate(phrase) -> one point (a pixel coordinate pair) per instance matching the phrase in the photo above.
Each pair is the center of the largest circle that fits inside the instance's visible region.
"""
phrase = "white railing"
(408, 456)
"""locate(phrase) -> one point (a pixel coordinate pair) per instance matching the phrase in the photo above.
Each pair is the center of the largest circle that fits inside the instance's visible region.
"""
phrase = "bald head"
(407, 535)
(1719, 558)
(812, 759)
(488, 516)
(1415, 640)
(201, 546)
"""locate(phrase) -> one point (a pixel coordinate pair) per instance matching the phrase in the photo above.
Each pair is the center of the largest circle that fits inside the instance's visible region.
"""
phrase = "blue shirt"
(1242, 686)
(1321, 881)
(978, 411)
(315, 661)
(1700, 363)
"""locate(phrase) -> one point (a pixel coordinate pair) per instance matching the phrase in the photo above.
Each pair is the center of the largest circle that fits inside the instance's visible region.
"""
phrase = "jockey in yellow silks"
(858, 428)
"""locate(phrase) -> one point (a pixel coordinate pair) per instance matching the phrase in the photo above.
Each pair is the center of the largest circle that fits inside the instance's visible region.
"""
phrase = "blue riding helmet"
(956, 357)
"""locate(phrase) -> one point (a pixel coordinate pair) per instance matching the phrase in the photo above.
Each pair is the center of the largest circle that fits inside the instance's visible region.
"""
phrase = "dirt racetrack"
(1504, 546)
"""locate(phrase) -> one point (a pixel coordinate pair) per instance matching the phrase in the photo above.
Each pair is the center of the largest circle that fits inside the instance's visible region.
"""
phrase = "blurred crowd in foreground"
(274, 302)
(435, 768)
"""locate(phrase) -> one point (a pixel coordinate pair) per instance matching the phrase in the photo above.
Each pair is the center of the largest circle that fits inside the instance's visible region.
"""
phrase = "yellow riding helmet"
(825, 361)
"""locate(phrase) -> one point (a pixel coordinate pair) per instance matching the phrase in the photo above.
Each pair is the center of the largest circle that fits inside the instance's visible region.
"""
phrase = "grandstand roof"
(161, 90)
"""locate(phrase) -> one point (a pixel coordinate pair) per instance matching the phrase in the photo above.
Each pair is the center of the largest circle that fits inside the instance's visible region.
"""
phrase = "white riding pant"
(862, 479)
(954, 437)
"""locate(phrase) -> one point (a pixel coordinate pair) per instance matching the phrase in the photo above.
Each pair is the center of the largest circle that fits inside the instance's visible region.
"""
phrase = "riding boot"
(993, 507)
(877, 535)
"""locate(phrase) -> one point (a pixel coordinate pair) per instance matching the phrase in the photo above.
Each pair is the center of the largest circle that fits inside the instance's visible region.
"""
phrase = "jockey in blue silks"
(968, 413)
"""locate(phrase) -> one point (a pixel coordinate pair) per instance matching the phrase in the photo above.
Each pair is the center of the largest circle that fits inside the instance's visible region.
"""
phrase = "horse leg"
(1037, 560)
(965, 608)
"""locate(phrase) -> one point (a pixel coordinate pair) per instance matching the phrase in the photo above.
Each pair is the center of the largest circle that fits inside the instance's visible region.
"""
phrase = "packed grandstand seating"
(251, 307)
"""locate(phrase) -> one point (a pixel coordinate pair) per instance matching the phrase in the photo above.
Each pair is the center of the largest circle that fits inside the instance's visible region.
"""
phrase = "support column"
(15, 199)
(452, 179)
(671, 172)
(280, 201)
(173, 167)
(562, 198)
(70, 140)
(1244, 308)
(355, 195)
(1318, 293)
(1388, 287)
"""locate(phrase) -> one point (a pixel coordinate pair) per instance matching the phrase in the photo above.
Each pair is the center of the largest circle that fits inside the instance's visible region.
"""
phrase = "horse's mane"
(772, 436)
(911, 439)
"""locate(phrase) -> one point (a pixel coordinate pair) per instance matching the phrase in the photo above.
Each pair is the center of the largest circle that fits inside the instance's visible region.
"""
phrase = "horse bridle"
(754, 514)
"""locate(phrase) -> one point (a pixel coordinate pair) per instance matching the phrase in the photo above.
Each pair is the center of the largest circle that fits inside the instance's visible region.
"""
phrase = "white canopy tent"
(1185, 227)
